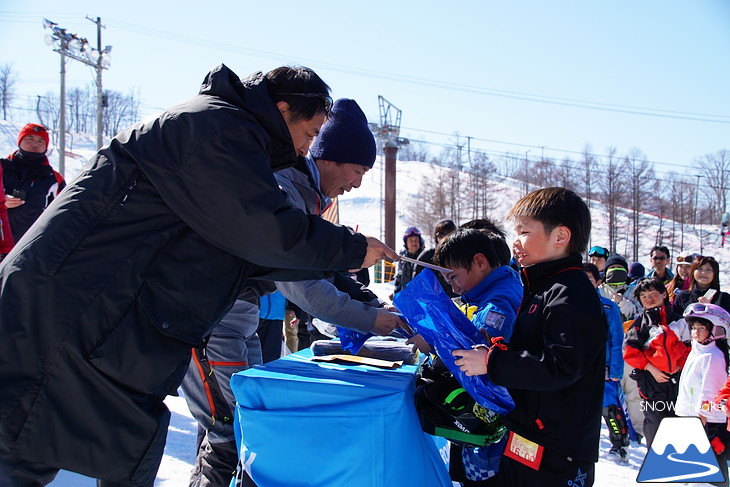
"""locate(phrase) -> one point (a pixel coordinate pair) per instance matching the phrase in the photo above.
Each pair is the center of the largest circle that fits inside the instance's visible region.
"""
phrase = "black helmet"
(445, 409)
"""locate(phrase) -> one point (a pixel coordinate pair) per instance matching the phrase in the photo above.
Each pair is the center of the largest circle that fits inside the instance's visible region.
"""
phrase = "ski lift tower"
(388, 133)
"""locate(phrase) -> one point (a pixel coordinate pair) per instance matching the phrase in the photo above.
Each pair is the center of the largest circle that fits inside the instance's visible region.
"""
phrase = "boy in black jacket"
(554, 364)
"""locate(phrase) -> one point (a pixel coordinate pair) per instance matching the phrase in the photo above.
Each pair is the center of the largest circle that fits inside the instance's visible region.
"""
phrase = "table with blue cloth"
(305, 423)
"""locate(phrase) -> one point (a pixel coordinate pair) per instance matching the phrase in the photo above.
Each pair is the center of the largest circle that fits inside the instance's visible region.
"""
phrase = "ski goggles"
(699, 309)
(598, 252)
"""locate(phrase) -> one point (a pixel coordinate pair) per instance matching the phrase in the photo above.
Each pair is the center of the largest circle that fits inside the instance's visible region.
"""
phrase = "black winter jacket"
(554, 366)
(38, 181)
(133, 263)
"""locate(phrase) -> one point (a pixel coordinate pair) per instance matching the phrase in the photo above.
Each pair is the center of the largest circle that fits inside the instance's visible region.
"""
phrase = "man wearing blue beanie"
(344, 147)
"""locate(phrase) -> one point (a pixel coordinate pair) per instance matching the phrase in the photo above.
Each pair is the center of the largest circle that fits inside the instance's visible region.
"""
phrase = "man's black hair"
(298, 79)
(458, 249)
(660, 248)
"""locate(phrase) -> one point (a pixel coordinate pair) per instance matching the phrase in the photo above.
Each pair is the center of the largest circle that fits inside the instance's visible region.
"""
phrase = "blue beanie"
(345, 137)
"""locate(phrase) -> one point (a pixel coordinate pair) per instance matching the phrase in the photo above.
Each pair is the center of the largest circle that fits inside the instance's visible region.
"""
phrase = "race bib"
(524, 451)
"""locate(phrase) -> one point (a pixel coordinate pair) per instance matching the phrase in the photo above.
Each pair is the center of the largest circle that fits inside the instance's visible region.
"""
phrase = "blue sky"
(513, 76)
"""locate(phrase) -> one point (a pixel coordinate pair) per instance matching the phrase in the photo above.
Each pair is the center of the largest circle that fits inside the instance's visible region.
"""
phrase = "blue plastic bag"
(352, 340)
(430, 312)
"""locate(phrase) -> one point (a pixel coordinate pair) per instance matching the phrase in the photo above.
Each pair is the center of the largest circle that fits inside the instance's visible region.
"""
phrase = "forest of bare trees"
(119, 110)
(625, 188)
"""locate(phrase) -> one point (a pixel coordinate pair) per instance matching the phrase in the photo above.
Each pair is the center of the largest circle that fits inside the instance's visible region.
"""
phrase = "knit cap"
(33, 129)
(616, 259)
(345, 137)
(636, 271)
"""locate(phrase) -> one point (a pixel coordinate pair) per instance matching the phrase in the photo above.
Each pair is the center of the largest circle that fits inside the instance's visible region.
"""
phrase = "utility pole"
(388, 131)
(99, 92)
(73, 46)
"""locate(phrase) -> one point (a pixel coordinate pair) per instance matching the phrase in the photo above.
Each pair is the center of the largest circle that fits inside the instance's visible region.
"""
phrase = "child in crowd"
(480, 274)
(615, 284)
(657, 345)
(613, 415)
(704, 374)
(554, 363)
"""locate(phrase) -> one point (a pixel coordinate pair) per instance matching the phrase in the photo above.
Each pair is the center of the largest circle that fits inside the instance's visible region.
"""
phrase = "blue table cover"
(305, 423)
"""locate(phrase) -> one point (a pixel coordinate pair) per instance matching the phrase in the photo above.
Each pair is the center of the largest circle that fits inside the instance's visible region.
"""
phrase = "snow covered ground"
(361, 209)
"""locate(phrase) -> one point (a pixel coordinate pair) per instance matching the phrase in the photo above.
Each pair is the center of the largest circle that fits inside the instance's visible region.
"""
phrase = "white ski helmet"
(717, 315)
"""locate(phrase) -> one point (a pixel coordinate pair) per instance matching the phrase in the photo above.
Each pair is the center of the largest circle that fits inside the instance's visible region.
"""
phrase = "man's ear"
(563, 235)
(282, 106)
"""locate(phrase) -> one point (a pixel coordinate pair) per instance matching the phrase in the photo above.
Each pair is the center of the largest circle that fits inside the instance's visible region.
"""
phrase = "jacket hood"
(250, 94)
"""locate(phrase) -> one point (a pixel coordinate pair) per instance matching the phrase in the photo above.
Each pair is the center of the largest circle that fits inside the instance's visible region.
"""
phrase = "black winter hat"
(345, 137)
(616, 259)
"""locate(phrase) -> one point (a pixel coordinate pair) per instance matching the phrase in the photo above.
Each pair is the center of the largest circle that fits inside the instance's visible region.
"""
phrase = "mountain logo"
(680, 452)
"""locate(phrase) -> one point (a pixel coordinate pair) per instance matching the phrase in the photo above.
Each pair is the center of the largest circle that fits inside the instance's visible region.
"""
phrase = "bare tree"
(588, 163)
(716, 170)
(414, 151)
(7, 87)
(612, 195)
(641, 174)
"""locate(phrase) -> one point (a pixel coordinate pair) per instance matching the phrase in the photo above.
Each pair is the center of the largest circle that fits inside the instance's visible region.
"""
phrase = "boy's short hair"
(592, 269)
(487, 225)
(459, 248)
(554, 207)
(651, 284)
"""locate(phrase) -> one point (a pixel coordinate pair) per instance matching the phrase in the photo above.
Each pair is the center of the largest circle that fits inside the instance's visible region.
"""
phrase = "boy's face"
(413, 243)
(533, 245)
(651, 298)
(463, 281)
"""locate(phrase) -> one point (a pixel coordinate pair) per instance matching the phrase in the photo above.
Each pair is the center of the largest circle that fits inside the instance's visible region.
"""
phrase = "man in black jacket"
(139, 258)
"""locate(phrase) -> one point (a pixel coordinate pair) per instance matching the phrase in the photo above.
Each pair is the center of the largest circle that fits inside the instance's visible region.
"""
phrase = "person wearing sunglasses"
(139, 258)
(703, 286)
(656, 345)
(598, 256)
(660, 261)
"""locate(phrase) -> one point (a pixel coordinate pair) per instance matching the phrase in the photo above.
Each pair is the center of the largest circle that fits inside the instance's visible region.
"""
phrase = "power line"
(446, 85)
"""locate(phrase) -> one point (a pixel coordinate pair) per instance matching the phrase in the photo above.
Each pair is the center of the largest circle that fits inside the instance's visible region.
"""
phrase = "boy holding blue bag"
(553, 366)
(491, 292)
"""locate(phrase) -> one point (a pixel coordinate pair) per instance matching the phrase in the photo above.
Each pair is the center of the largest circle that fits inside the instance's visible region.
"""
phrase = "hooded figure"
(137, 260)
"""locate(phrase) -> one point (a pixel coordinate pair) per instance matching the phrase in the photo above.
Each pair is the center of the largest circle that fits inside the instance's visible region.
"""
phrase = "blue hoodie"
(497, 299)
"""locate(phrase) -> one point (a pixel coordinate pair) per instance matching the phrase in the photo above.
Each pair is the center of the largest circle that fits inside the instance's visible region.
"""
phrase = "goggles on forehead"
(598, 252)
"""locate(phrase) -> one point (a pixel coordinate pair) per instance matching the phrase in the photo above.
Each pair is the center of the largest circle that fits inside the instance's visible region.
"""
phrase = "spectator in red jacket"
(657, 345)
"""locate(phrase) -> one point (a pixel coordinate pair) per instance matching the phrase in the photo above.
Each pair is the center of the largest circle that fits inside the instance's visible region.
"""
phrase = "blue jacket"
(615, 339)
(497, 299)
(272, 306)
